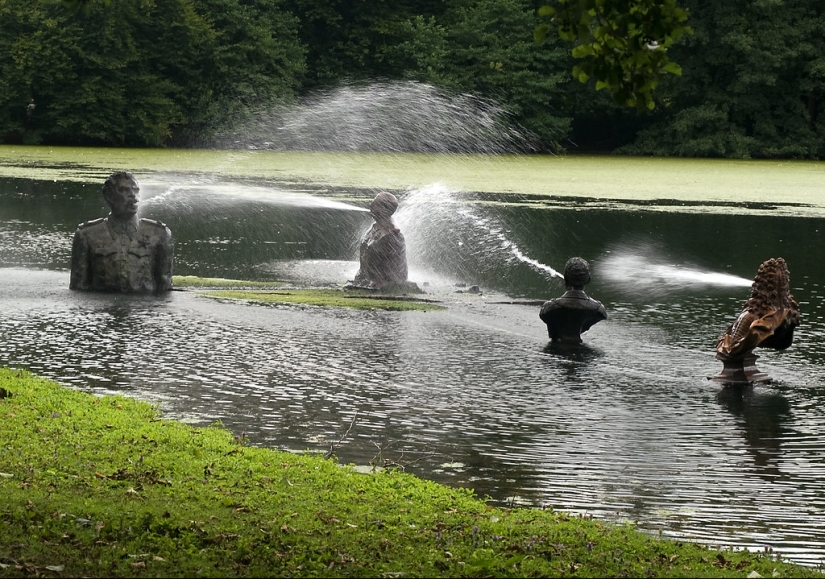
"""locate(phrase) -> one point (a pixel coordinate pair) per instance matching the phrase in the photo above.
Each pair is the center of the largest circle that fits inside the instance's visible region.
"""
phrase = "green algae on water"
(357, 299)
(192, 281)
(360, 300)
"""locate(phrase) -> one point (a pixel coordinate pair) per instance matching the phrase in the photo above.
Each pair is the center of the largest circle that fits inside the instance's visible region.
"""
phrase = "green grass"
(191, 281)
(356, 299)
(104, 487)
(330, 298)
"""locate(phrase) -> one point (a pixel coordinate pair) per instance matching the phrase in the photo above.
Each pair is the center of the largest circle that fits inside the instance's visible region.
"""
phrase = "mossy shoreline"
(104, 487)
(279, 292)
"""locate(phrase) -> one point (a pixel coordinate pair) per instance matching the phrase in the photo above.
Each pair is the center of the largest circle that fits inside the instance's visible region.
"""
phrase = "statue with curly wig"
(767, 320)
(568, 316)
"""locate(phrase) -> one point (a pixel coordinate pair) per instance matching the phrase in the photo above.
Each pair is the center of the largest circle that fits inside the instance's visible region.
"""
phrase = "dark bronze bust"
(121, 252)
(568, 316)
(767, 320)
(383, 253)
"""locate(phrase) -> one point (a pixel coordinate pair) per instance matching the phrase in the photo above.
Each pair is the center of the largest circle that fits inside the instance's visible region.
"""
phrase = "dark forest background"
(152, 73)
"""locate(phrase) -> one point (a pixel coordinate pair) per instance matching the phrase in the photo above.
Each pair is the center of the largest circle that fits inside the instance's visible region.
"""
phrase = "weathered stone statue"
(767, 320)
(568, 316)
(121, 252)
(383, 254)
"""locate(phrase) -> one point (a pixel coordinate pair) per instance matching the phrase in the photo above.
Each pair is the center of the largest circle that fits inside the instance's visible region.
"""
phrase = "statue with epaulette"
(122, 252)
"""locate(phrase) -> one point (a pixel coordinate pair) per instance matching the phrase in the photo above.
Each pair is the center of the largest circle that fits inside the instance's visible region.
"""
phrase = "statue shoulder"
(156, 230)
(153, 223)
(549, 306)
(91, 224)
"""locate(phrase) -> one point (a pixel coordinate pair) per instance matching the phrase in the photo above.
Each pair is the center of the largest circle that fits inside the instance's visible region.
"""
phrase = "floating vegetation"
(360, 300)
(236, 289)
(192, 281)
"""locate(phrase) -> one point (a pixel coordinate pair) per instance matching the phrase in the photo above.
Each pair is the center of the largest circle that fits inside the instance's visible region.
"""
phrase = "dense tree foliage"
(487, 53)
(753, 83)
(140, 72)
(622, 43)
(365, 39)
(170, 72)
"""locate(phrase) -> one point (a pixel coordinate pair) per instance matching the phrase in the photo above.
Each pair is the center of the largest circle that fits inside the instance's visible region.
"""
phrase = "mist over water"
(446, 234)
(171, 192)
(392, 116)
(635, 268)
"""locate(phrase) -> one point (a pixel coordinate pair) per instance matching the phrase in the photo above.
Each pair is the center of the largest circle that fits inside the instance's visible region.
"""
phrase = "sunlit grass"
(359, 300)
(191, 281)
(237, 289)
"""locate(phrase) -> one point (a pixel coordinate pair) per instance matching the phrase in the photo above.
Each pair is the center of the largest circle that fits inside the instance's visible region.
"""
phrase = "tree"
(622, 43)
(753, 83)
(361, 40)
(488, 54)
(137, 73)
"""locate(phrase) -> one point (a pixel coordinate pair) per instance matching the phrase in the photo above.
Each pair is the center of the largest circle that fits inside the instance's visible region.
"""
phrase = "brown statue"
(568, 316)
(767, 320)
(383, 252)
(121, 252)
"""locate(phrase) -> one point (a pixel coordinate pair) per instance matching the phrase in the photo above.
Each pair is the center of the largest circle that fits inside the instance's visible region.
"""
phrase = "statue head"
(383, 206)
(771, 291)
(121, 193)
(576, 273)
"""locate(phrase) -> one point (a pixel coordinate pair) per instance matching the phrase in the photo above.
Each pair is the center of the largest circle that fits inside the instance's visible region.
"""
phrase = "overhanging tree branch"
(622, 44)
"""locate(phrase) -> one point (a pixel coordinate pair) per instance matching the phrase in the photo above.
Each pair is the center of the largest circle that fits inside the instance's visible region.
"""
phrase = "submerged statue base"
(741, 372)
(767, 320)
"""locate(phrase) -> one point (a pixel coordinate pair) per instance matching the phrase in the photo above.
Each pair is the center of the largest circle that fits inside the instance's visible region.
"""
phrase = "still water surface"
(627, 429)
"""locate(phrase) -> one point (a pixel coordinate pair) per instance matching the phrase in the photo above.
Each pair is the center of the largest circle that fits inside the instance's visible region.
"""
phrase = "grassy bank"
(103, 487)
(274, 292)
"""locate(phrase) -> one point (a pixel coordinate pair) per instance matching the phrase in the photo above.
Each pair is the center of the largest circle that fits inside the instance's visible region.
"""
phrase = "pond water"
(627, 429)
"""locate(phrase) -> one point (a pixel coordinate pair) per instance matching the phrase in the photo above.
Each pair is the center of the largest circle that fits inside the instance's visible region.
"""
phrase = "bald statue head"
(383, 206)
(576, 273)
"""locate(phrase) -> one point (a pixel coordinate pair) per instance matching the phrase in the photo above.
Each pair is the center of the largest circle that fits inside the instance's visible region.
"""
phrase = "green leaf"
(583, 50)
(672, 68)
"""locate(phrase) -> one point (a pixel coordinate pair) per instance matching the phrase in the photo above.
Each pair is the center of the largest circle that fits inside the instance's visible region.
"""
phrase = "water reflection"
(626, 428)
(572, 359)
(764, 417)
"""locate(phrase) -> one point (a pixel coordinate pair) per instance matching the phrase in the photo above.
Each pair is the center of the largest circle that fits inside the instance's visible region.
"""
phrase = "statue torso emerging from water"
(767, 320)
(568, 316)
(383, 254)
(121, 252)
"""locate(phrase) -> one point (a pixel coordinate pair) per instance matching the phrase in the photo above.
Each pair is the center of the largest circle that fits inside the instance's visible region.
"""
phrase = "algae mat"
(673, 184)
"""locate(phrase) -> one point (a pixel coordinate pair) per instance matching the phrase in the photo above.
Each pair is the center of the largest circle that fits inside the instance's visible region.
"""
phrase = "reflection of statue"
(383, 252)
(764, 418)
(121, 252)
(767, 320)
(574, 312)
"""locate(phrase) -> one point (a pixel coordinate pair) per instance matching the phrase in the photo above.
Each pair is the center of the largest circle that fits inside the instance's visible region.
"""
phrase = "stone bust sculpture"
(383, 254)
(767, 320)
(568, 316)
(121, 252)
